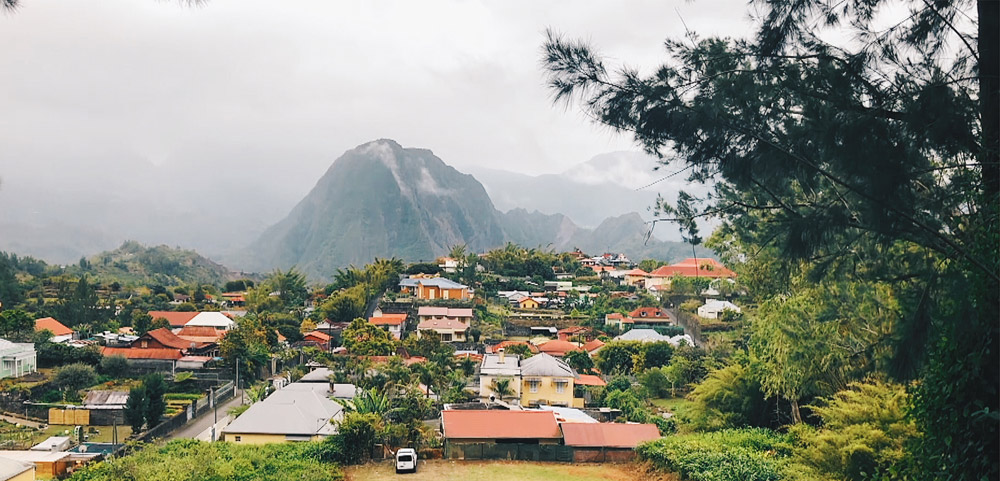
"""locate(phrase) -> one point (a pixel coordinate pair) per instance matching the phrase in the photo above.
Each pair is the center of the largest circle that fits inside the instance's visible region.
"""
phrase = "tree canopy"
(868, 165)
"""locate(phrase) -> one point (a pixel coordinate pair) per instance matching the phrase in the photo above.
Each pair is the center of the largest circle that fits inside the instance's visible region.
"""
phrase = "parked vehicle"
(406, 460)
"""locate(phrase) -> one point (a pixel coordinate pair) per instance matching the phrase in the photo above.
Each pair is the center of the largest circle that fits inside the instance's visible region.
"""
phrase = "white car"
(406, 460)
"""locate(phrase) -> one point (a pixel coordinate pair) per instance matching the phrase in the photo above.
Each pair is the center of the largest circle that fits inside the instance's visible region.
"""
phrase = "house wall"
(547, 391)
(528, 304)
(486, 380)
(260, 438)
(602, 455)
(434, 292)
(17, 361)
(28, 475)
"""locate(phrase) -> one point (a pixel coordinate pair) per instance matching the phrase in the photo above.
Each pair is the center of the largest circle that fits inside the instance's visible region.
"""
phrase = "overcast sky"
(257, 84)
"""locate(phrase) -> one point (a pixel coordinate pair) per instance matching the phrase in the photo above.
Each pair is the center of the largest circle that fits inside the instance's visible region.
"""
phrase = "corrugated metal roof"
(608, 435)
(491, 424)
(176, 319)
(96, 398)
(130, 353)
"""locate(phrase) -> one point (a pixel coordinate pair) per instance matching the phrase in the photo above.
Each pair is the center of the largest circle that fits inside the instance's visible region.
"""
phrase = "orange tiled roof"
(57, 328)
(176, 319)
(589, 380)
(649, 313)
(608, 435)
(133, 353)
(388, 320)
(595, 344)
(558, 348)
(171, 340)
(490, 424)
(318, 335)
(691, 267)
(505, 344)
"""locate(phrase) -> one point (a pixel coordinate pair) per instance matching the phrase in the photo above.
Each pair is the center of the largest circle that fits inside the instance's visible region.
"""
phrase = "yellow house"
(297, 412)
(14, 470)
(547, 380)
(527, 303)
(432, 288)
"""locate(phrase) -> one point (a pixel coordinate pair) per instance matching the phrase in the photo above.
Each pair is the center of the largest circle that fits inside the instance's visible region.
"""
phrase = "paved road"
(19, 420)
(200, 427)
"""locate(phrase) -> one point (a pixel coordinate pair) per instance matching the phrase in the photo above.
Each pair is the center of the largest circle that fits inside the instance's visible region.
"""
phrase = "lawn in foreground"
(442, 470)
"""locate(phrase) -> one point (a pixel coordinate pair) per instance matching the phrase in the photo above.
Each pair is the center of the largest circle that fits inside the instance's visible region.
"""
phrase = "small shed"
(606, 442)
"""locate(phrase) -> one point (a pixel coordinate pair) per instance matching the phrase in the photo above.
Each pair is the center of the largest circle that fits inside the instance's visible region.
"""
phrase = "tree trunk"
(796, 415)
(989, 95)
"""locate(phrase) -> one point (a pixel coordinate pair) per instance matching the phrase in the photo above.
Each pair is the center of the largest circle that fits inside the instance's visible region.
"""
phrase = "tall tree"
(135, 409)
(874, 160)
(156, 405)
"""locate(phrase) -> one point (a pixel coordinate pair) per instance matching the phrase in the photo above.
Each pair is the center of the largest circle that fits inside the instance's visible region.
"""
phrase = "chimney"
(500, 352)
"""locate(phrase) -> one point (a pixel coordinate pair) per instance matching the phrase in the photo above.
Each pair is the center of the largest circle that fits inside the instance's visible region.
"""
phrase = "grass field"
(440, 470)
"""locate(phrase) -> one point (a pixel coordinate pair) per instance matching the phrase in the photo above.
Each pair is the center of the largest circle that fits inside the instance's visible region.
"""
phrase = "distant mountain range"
(377, 200)
(162, 265)
(607, 185)
(383, 200)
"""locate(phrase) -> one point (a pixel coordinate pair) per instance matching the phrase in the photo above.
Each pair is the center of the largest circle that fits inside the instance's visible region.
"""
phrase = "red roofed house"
(589, 380)
(593, 346)
(618, 320)
(200, 334)
(176, 319)
(161, 349)
(504, 344)
(690, 267)
(558, 348)
(651, 315)
(60, 333)
(635, 277)
(574, 331)
(393, 323)
(449, 329)
(320, 338)
(606, 442)
(497, 426)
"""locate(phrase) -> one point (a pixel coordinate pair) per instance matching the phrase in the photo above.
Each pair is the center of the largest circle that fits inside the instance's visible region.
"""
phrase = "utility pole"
(237, 386)
(215, 410)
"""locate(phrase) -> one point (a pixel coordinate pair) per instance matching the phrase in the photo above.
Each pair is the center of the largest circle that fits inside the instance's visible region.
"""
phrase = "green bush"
(173, 396)
(188, 459)
(728, 455)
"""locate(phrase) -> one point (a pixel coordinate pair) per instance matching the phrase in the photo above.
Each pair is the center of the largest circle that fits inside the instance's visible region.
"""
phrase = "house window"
(238, 438)
(444, 294)
(445, 337)
(533, 385)
(561, 386)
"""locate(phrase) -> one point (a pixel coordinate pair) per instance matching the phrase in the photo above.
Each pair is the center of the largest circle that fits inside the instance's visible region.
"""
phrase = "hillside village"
(517, 348)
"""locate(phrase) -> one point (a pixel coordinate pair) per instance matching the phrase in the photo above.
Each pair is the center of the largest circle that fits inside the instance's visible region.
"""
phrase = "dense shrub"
(728, 455)
(190, 460)
(864, 432)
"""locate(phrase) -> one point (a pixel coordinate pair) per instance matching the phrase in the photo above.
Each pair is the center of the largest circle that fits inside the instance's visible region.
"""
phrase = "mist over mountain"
(382, 200)
(608, 185)
(61, 209)
(378, 200)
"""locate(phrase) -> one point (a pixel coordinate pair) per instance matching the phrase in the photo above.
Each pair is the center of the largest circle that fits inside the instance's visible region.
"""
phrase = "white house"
(714, 307)
(217, 320)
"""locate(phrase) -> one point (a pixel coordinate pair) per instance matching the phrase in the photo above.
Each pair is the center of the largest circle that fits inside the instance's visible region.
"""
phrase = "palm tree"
(367, 401)
(502, 389)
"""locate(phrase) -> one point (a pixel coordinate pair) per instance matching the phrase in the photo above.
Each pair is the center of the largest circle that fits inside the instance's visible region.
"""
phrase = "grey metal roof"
(546, 365)
(317, 375)
(12, 467)
(643, 335)
(301, 409)
(493, 367)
